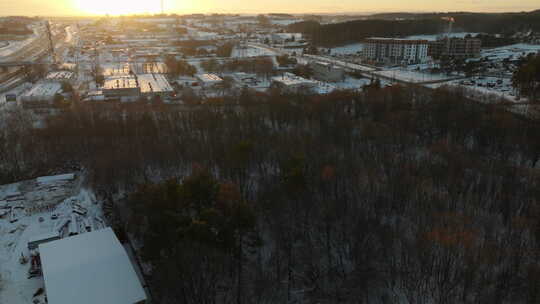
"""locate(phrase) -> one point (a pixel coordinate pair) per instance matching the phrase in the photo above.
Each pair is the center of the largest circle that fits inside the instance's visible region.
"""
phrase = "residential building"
(396, 51)
(455, 48)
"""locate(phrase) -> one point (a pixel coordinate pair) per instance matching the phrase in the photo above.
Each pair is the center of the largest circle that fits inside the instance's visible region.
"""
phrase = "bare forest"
(393, 195)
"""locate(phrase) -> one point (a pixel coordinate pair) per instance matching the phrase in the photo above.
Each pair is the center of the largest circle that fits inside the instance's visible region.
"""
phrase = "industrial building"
(154, 85)
(281, 38)
(209, 80)
(325, 71)
(90, 268)
(455, 48)
(124, 88)
(61, 76)
(41, 95)
(396, 51)
(293, 84)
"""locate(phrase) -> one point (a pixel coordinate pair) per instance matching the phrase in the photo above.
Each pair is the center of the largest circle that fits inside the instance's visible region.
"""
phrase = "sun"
(118, 7)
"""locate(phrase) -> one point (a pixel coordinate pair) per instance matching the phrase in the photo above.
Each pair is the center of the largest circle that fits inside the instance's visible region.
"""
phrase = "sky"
(123, 7)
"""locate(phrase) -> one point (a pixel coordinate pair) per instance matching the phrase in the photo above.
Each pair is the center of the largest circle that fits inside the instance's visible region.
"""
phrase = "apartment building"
(455, 48)
(397, 51)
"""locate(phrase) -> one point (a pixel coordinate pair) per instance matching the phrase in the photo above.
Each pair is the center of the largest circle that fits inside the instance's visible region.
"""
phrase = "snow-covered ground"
(513, 51)
(36, 201)
(501, 87)
(252, 51)
(349, 49)
(352, 83)
(339, 63)
(434, 37)
(18, 91)
(284, 21)
(15, 46)
(413, 76)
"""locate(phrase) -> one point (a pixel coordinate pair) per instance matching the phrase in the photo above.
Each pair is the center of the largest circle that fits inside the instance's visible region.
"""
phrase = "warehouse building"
(124, 88)
(325, 71)
(209, 80)
(41, 95)
(90, 268)
(61, 76)
(294, 84)
(155, 85)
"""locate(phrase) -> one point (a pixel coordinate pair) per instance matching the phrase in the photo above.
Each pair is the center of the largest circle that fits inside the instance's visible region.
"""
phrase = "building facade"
(397, 51)
(327, 72)
(455, 48)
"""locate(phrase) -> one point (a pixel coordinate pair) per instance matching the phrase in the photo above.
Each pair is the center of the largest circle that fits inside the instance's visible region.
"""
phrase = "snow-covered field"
(27, 208)
(348, 49)
(434, 37)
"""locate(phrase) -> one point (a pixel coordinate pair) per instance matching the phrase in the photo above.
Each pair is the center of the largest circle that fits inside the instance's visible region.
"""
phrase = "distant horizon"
(96, 8)
(343, 13)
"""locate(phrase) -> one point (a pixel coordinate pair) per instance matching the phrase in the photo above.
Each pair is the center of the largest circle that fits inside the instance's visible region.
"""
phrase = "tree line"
(403, 24)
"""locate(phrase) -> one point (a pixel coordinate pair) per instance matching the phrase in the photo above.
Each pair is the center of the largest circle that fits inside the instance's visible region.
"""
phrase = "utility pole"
(51, 43)
(162, 8)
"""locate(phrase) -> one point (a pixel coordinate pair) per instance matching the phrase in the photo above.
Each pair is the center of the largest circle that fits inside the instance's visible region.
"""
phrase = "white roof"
(289, 79)
(154, 83)
(89, 268)
(120, 82)
(210, 78)
(44, 89)
(60, 75)
(54, 178)
(45, 236)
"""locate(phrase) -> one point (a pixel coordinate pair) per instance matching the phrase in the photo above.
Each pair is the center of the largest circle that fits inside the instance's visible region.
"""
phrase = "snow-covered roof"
(154, 83)
(209, 78)
(120, 82)
(89, 268)
(289, 79)
(54, 178)
(60, 75)
(44, 90)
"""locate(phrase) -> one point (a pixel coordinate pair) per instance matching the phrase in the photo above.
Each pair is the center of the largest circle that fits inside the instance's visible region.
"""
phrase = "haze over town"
(123, 7)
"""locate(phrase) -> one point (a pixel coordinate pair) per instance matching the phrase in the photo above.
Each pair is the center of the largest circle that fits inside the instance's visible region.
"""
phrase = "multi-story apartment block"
(399, 51)
(455, 48)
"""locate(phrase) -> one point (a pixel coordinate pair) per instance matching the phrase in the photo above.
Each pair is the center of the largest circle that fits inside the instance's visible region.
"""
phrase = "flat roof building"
(154, 84)
(41, 95)
(60, 76)
(121, 87)
(90, 268)
(209, 79)
(292, 83)
(327, 72)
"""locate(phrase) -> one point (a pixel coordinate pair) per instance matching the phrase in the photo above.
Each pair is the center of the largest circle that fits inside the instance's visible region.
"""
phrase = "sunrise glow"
(118, 7)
